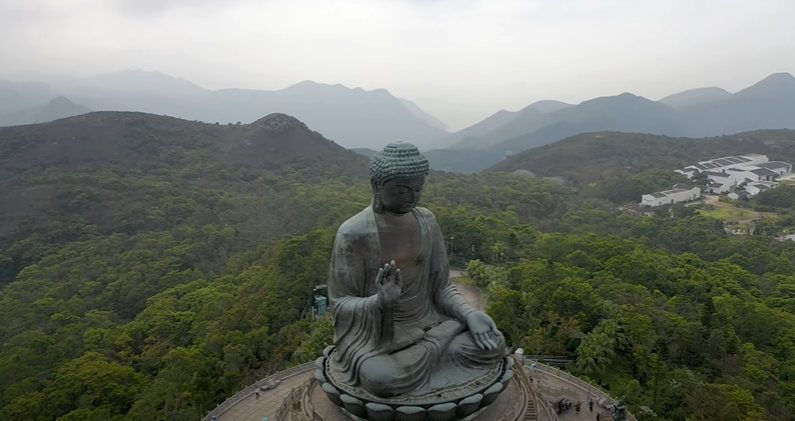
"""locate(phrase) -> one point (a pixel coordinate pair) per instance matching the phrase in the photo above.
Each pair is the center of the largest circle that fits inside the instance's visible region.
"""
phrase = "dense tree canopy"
(154, 293)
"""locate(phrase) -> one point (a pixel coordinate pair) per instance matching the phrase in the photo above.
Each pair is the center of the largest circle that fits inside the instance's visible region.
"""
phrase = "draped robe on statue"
(409, 353)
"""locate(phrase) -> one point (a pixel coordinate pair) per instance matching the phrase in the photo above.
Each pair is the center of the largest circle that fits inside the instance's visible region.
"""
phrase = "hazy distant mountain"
(56, 109)
(16, 96)
(59, 108)
(775, 86)
(524, 121)
(769, 104)
(625, 113)
(54, 81)
(695, 96)
(351, 117)
(482, 128)
(418, 112)
(365, 151)
(144, 81)
(496, 127)
(530, 127)
(464, 161)
(475, 160)
(548, 106)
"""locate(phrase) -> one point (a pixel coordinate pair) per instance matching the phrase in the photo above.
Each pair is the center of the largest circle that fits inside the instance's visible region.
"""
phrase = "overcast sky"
(460, 60)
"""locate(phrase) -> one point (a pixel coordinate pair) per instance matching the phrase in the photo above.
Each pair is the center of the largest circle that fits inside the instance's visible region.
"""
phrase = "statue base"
(459, 403)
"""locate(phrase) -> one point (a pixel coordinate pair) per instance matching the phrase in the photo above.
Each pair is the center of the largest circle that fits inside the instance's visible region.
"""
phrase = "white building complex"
(753, 171)
(719, 164)
(680, 193)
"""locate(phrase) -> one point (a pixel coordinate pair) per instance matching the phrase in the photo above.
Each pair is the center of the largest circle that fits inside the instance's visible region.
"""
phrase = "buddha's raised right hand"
(388, 283)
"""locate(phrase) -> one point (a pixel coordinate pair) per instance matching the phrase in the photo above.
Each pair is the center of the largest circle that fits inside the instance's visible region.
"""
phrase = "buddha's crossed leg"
(446, 350)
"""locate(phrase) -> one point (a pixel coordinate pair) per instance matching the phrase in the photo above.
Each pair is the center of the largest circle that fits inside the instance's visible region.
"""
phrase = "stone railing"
(310, 414)
(596, 392)
(541, 402)
(549, 413)
(554, 390)
(295, 395)
(249, 390)
(317, 416)
(306, 400)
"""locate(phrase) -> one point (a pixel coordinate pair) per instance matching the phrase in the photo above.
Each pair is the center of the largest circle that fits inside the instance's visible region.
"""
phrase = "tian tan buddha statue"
(400, 326)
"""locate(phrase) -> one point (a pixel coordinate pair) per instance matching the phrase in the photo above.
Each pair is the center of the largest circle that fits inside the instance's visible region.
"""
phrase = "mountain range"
(366, 120)
(277, 143)
(58, 108)
(114, 145)
(596, 157)
(127, 139)
(768, 104)
(351, 117)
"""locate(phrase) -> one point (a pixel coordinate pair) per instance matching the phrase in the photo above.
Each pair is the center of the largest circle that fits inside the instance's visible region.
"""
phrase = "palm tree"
(611, 328)
(499, 251)
(595, 353)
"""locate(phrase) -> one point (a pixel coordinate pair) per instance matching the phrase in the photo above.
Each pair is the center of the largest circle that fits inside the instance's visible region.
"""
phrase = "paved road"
(473, 295)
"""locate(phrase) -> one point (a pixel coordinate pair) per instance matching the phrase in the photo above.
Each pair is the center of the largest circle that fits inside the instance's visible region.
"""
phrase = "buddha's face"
(400, 195)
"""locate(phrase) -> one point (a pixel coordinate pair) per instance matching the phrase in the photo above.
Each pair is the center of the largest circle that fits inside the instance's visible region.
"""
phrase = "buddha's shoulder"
(357, 224)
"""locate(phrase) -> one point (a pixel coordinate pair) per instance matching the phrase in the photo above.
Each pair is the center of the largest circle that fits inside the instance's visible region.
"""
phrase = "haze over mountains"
(362, 120)
(58, 108)
(350, 117)
(768, 104)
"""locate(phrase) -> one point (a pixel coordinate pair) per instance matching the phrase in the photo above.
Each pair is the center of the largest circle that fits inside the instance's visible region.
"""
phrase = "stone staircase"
(531, 414)
(530, 410)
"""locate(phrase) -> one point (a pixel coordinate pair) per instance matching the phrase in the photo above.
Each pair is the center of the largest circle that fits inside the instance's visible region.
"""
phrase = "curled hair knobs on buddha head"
(398, 159)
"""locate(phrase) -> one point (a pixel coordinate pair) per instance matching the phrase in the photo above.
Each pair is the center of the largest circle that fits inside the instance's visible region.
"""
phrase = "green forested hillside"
(593, 157)
(150, 282)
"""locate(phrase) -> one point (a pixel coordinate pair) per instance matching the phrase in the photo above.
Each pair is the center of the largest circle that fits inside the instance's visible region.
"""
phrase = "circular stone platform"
(444, 405)
(506, 407)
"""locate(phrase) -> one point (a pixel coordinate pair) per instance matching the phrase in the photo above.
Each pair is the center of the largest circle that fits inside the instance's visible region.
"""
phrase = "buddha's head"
(397, 175)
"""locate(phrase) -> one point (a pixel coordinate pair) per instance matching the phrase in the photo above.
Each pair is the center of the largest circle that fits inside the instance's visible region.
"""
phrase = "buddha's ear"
(378, 205)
